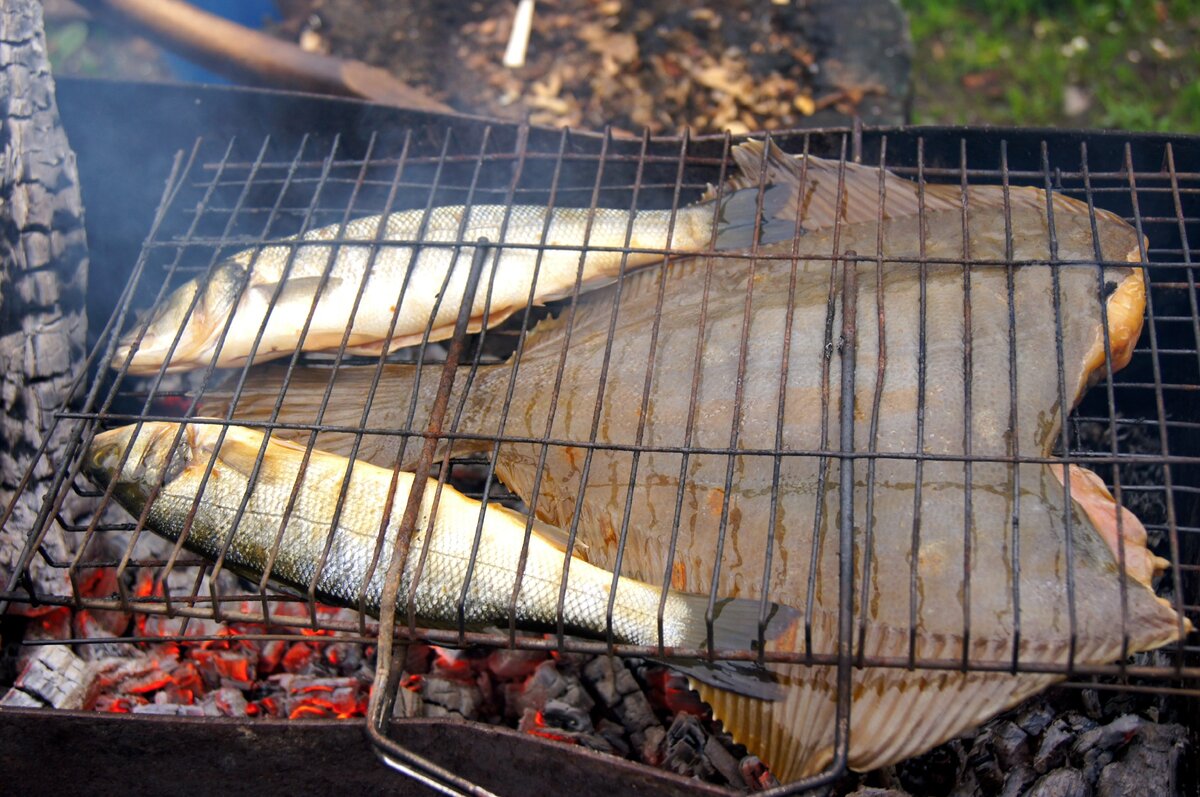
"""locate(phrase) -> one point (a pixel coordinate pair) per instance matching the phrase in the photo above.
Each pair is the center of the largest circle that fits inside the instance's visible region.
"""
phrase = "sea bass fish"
(139, 460)
(413, 270)
(965, 545)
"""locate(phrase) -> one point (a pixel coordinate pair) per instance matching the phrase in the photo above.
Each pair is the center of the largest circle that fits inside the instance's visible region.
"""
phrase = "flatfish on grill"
(965, 545)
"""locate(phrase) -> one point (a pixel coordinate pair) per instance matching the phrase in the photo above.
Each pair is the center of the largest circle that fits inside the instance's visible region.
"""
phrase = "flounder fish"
(144, 464)
(969, 548)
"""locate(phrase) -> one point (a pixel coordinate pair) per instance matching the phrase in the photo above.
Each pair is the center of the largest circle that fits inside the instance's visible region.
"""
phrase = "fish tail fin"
(735, 627)
(303, 401)
(759, 202)
(800, 194)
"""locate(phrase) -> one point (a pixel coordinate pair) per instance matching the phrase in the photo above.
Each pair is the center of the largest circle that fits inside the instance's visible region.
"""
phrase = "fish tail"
(760, 202)
(401, 389)
(735, 627)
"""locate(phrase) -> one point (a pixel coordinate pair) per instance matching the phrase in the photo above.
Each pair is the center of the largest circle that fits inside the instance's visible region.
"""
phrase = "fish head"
(138, 459)
(191, 319)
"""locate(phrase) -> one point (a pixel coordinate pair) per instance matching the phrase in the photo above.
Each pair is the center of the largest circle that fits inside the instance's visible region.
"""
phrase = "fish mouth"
(102, 463)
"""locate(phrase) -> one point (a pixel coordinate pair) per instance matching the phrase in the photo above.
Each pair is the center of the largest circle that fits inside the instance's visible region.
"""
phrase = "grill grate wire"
(219, 200)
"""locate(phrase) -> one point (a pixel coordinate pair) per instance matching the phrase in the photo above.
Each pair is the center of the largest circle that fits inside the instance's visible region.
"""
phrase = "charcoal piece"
(1061, 783)
(609, 679)
(685, 745)
(446, 697)
(651, 742)
(509, 665)
(560, 714)
(968, 785)
(983, 764)
(1106, 737)
(933, 774)
(614, 734)
(56, 676)
(1091, 703)
(722, 760)
(169, 710)
(870, 791)
(408, 703)
(546, 684)
(1018, 781)
(1011, 745)
(1093, 763)
(1055, 743)
(224, 702)
(15, 698)
(1148, 765)
(1036, 718)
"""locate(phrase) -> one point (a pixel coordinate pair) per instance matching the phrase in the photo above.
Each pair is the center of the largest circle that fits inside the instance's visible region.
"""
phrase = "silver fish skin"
(447, 532)
(184, 331)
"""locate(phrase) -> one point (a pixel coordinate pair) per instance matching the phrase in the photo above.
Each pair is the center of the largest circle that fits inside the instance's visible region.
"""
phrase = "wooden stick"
(237, 51)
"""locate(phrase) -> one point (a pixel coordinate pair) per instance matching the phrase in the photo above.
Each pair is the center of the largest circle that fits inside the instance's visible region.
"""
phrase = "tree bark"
(43, 281)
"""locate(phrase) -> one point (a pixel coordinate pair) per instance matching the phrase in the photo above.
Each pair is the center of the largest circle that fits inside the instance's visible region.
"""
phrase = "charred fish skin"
(446, 538)
(421, 265)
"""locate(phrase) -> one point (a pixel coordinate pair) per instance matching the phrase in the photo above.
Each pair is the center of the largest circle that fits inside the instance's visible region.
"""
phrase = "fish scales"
(442, 551)
(413, 266)
(896, 712)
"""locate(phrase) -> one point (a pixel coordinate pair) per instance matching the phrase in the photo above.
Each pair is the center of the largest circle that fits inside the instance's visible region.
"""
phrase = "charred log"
(43, 280)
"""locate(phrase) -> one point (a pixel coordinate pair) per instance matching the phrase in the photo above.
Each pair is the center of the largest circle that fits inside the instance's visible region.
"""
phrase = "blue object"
(251, 13)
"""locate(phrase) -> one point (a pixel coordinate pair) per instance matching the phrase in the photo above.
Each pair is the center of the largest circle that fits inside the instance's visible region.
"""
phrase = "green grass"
(1122, 64)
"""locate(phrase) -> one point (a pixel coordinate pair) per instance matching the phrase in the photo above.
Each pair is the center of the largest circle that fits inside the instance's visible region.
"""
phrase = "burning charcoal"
(450, 697)
(1107, 737)
(559, 714)
(510, 665)
(757, 777)
(57, 677)
(408, 698)
(1018, 781)
(1149, 765)
(546, 683)
(299, 658)
(1062, 783)
(344, 657)
(225, 702)
(452, 663)
(271, 655)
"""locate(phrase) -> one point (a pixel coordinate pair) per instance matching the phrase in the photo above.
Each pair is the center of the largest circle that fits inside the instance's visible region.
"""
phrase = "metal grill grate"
(1137, 428)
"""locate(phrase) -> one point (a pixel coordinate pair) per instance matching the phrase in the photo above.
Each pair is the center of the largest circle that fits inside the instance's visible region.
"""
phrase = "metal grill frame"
(651, 154)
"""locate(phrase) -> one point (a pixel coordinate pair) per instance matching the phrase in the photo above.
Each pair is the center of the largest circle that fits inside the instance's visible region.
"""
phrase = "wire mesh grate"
(1135, 427)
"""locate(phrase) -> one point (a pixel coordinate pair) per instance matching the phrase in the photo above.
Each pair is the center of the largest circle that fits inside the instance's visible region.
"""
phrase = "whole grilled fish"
(964, 548)
(139, 460)
(556, 247)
